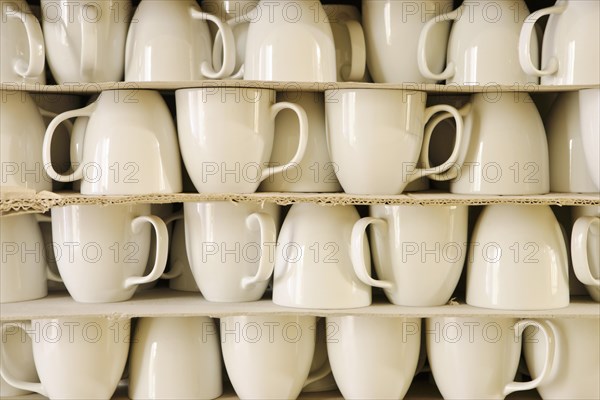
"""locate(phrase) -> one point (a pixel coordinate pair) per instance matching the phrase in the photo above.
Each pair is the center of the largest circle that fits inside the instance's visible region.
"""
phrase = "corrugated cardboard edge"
(28, 202)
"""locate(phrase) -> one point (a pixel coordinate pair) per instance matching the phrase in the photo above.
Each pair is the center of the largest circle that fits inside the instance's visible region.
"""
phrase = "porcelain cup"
(101, 251)
(75, 358)
(85, 40)
(384, 356)
(18, 355)
(589, 100)
(517, 259)
(21, 44)
(585, 251)
(130, 145)
(571, 44)
(226, 137)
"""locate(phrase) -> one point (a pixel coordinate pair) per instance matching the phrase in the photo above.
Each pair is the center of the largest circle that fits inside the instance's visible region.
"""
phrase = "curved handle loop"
(218, 46)
(548, 361)
(525, 42)
(228, 46)
(6, 375)
(318, 374)
(579, 253)
(177, 268)
(450, 70)
(357, 253)
(86, 111)
(302, 140)
(436, 172)
(51, 275)
(52, 114)
(359, 52)
(37, 58)
(162, 249)
(268, 234)
(89, 42)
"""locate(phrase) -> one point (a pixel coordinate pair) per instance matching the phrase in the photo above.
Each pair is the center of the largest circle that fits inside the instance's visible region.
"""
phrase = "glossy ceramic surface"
(571, 46)
(76, 358)
(316, 172)
(268, 357)
(18, 356)
(85, 40)
(585, 248)
(130, 145)
(576, 365)
(313, 267)
(179, 271)
(21, 136)
(170, 41)
(349, 40)
(477, 358)
(383, 359)
(392, 29)
(290, 41)
(226, 137)
(517, 260)
(21, 44)
(23, 265)
(101, 251)
(589, 101)
(418, 252)
(375, 138)
(483, 47)
(175, 357)
(230, 247)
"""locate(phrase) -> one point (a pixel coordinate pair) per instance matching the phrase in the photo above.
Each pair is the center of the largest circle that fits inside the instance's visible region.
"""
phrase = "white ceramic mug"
(313, 267)
(316, 172)
(392, 29)
(517, 259)
(575, 369)
(504, 150)
(230, 247)
(349, 40)
(226, 137)
(21, 44)
(585, 251)
(179, 273)
(23, 267)
(375, 137)
(477, 357)
(289, 41)
(170, 41)
(130, 145)
(257, 348)
(101, 251)
(85, 40)
(373, 357)
(418, 252)
(483, 47)
(75, 358)
(175, 358)
(589, 100)
(568, 168)
(21, 137)
(18, 355)
(571, 45)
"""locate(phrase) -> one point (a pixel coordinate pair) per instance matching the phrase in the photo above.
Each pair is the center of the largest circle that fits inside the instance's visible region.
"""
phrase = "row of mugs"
(320, 258)
(362, 141)
(403, 41)
(364, 356)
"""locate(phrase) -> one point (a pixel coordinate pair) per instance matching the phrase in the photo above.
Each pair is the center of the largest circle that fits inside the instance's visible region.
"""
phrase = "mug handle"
(218, 46)
(579, 240)
(35, 38)
(525, 42)
(450, 70)
(228, 42)
(7, 376)
(548, 361)
(357, 254)
(359, 52)
(451, 161)
(302, 140)
(318, 374)
(89, 42)
(41, 218)
(86, 111)
(177, 268)
(162, 249)
(268, 234)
